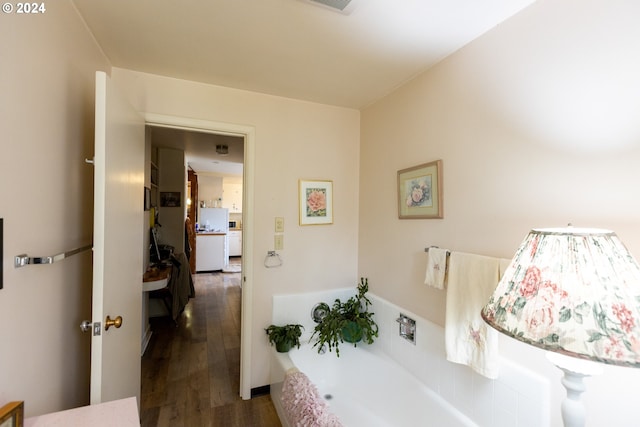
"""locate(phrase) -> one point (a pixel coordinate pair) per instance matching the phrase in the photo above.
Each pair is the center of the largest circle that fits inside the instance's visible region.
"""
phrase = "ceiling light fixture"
(223, 150)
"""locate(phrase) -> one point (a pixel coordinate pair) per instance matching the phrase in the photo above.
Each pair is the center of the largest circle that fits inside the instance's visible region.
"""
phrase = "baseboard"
(260, 391)
(145, 340)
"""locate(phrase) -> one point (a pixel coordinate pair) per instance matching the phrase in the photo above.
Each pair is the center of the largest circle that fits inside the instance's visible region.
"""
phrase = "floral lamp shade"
(572, 291)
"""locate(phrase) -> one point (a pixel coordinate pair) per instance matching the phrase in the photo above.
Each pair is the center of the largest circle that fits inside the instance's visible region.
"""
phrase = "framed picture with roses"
(420, 191)
(12, 414)
(316, 202)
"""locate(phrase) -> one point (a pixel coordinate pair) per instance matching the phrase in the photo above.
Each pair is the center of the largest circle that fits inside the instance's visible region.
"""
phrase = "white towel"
(436, 268)
(468, 339)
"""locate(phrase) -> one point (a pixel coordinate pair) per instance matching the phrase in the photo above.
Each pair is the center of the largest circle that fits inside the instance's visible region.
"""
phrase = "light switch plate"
(279, 224)
(278, 242)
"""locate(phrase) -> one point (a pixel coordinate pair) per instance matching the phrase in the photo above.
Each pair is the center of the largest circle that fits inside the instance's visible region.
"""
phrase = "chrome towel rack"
(24, 259)
(427, 249)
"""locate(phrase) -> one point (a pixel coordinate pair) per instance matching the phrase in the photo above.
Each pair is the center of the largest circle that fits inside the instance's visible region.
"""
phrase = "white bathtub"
(364, 387)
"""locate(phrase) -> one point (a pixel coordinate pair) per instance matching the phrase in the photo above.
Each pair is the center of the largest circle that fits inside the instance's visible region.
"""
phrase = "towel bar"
(427, 249)
(24, 259)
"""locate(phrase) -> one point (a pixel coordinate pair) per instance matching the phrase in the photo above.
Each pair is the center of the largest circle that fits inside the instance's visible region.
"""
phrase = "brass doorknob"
(117, 322)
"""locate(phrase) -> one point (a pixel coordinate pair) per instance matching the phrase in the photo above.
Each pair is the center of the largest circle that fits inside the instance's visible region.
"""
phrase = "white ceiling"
(289, 48)
(200, 150)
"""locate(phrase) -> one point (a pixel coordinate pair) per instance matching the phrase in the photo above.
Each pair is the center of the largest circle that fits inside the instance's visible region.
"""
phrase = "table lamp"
(574, 292)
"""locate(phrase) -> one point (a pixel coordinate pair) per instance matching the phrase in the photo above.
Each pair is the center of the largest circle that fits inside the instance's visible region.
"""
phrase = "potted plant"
(284, 337)
(349, 321)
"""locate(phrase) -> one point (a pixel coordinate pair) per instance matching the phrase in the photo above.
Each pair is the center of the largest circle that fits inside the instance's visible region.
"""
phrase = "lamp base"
(573, 410)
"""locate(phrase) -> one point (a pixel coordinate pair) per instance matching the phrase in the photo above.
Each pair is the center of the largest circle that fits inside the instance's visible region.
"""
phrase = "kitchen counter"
(211, 251)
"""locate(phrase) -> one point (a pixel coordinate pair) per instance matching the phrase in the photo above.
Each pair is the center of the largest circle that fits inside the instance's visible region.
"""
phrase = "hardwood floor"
(190, 373)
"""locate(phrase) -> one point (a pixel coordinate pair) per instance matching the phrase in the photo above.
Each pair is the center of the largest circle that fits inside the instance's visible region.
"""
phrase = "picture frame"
(316, 202)
(147, 198)
(12, 414)
(420, 191)
(170, 199)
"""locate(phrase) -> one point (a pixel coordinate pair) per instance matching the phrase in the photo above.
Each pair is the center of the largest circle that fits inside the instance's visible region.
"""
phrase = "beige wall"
(172, 178)
(46, 199)
(536, 123)
(47, 196)
(209, 188)
(293, 140)
(537, 126)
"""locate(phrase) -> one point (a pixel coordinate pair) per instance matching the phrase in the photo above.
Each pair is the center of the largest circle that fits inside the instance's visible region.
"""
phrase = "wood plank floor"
(191, 373)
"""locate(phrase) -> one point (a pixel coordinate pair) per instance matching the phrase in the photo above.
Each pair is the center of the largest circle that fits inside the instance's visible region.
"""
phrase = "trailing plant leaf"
(283, 334)
(342, 316)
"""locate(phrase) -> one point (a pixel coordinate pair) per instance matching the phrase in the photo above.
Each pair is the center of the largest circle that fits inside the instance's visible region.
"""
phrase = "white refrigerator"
(214, 219)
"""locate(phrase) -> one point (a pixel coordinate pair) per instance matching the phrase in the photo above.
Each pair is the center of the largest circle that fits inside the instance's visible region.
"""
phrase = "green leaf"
(582, 309)
(287, 333)
(355, 309)
(595, 336)
(519, 304)
(552, 338)
(600, 317)
(578, 318)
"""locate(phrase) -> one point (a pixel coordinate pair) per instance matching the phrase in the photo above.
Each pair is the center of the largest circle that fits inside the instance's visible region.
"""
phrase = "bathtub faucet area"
(407, 328)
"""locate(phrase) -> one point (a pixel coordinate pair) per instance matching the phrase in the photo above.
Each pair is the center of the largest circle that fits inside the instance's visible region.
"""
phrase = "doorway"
(247, 134)
(211, 200)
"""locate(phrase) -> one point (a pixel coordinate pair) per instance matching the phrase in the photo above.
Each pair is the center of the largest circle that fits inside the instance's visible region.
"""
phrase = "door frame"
(248, 132)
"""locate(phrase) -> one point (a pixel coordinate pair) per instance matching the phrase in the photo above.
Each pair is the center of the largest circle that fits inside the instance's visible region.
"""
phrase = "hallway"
(190, 373)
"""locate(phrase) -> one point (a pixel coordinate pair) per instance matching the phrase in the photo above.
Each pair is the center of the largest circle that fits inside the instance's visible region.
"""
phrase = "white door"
(117, 245)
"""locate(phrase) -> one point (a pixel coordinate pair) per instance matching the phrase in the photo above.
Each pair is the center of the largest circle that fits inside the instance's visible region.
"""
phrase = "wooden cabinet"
(235, 243)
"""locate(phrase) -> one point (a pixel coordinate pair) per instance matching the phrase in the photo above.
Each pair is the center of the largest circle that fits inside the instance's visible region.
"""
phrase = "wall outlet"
(279, 224)
(278, 242)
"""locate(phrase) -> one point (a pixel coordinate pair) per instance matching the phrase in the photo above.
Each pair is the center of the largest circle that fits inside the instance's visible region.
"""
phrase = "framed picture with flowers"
(316, 202)
(12, 414)
(420, 191)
